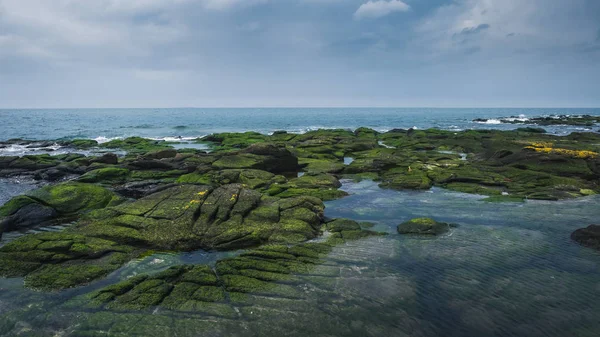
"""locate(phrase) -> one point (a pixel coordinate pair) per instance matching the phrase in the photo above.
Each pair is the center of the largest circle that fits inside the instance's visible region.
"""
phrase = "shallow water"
(11, 188)
(507, 269)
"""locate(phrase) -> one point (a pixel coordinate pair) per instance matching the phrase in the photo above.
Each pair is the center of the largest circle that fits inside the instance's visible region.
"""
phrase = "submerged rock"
(589, 236)
(423, 226)
(273, 271)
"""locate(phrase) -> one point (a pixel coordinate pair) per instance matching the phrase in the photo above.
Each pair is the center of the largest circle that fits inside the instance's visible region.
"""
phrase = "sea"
(506, 269)
(106, 124)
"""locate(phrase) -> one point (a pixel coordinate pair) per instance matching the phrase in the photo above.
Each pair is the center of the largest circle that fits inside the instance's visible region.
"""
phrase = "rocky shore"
(252, 191)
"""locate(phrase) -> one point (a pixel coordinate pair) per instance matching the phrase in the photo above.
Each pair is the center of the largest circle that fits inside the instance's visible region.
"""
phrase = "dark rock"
(28, 216)
(5, 161)
(107, 158)
(41, 144)
(139, 190)
(152, 165)
(531, 130)
(161, 154)
(589, 236)
(52, 174)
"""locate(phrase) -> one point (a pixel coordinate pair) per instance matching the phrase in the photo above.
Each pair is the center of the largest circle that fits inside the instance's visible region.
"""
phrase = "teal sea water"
(507, 269)
(194, 122)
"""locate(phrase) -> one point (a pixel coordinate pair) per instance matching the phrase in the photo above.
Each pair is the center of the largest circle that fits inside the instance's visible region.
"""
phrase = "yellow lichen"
(233, 197)
(547, 148)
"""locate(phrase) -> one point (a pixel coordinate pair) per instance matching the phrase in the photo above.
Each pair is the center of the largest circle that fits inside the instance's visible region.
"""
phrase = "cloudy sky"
(212, 53)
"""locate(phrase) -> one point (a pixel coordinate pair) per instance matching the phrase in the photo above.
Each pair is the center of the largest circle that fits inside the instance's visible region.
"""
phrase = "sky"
(299, 53)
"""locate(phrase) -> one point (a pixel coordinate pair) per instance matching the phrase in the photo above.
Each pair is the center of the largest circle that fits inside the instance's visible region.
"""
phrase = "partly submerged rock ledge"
(247, 193)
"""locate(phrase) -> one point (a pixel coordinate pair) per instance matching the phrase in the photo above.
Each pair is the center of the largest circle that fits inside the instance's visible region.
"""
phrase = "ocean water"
(507, 269)
(103, 124)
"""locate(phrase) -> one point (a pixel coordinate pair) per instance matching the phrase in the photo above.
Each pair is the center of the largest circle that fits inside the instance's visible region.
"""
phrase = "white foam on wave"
(520, 118)
(20, 150)
(102, 139)
(176, 139)
(490, 121)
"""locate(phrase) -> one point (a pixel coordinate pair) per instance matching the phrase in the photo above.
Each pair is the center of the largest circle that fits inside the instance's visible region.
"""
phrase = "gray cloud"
(76, 53)
(474, 30)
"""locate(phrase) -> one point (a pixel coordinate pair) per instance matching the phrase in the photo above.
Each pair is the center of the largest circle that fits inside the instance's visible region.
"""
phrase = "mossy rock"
(50, 261)
(110, 175)
(72, 197)
(321, 165)
(271, 270)
(423, 226)
(136, 145)
(15, 204)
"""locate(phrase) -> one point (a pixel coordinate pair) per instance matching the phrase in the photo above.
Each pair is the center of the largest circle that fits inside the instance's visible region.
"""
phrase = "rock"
(49, 203)
(161, 154)
(81, 143)
(261, 156)
(423, 226)
(141, 189)
(589, 236)
(107, 158)
(531, 130)
(51, 261)
(72, 197)
(52, 174)
(271, 271)
(111, 175)
(135, 145)
(30, 215)
(151, 165)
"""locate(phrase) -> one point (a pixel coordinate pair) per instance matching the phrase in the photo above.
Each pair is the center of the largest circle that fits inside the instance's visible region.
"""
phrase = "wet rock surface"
(589, 236)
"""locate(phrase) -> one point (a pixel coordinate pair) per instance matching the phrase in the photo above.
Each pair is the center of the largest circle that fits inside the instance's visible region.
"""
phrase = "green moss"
(135, 145)
(321, 165)
(323, 194)
(72, 197)
(110, 175)
(51, 277)
(195, 178)
(237, 161)
(15, 204)
(423, 226)
(82, 143)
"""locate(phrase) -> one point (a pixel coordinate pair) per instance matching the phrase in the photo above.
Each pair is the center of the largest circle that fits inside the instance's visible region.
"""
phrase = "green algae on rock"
(53, 202)
(423, 226)
(271, 270)
(180, 218)
(51, 261)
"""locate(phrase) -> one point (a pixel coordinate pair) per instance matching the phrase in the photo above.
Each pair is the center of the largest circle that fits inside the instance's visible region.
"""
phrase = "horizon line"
(307, 107)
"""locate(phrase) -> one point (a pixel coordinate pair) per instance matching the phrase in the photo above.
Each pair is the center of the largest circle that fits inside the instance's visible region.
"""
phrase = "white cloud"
(379, 8)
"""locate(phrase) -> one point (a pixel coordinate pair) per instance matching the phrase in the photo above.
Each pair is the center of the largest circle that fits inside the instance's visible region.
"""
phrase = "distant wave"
(141, 126)
(180, 127)
(102, 139)
(176, 139)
